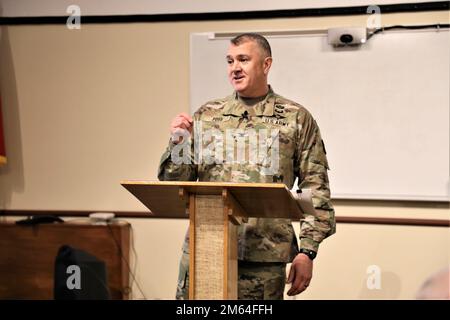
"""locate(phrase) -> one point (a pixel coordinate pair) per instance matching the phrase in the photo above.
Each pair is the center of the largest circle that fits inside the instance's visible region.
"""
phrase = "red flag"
(2, 140)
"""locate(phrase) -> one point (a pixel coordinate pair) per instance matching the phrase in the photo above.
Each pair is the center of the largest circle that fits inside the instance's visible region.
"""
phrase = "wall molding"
(215, 16)
(148, 215)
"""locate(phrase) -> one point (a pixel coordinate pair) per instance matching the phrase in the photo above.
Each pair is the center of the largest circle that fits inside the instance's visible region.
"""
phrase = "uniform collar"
(263, 108)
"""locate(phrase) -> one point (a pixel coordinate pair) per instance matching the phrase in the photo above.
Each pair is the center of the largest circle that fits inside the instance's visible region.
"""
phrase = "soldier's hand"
(300, 274)
(179, 125)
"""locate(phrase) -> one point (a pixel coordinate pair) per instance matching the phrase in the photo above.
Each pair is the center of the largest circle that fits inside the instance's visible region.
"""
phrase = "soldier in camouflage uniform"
(285, 129)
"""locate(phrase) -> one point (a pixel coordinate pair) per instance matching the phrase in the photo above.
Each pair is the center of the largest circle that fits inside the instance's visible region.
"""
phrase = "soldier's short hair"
(259, 39)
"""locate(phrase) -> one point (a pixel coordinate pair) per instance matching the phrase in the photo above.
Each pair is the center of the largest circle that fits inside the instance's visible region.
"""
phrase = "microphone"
(245, 115)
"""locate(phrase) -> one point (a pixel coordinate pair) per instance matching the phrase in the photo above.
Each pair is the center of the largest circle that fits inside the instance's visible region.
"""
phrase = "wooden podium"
(215, 210)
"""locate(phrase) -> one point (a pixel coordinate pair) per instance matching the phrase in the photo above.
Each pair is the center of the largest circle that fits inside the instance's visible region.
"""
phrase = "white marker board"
(383, 109)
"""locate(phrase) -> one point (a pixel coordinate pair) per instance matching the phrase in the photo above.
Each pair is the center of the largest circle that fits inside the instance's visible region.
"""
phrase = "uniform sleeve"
(311, 167)
(177, 166)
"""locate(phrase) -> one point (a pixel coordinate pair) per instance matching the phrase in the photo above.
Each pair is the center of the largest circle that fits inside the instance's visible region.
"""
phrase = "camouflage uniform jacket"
(301, 154)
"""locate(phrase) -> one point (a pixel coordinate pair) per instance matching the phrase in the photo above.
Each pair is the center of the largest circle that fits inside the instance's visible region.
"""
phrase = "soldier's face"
(248, 69)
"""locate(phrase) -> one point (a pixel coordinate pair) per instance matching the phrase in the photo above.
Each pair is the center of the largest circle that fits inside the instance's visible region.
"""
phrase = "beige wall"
(85, 109)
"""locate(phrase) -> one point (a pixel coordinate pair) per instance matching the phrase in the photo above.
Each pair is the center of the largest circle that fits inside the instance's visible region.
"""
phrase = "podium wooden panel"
(28, 253)
(264, 200)
(215, 210)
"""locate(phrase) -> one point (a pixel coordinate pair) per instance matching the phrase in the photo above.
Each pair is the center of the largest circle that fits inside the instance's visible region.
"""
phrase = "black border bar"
(215, 16)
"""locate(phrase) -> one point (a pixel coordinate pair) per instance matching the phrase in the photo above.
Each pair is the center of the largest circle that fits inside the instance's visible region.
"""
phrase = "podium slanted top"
(262, 200)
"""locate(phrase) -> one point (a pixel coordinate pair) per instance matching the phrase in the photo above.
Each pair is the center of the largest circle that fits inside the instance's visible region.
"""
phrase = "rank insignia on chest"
(279, 111)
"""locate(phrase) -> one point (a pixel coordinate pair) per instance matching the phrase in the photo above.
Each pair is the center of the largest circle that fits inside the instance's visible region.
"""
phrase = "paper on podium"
(304, 200)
